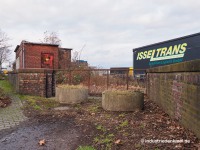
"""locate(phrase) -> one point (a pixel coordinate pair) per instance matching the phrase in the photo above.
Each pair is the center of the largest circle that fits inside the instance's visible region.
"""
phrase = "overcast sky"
(109, 29)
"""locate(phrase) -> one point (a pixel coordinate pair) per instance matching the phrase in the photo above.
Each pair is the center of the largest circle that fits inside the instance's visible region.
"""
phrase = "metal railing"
(99, 80)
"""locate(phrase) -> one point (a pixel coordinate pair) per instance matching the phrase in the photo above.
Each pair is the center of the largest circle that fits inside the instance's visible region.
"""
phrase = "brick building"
(42, 55)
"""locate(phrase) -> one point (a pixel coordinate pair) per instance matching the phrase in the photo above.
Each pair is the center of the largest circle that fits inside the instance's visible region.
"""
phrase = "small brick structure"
(38, 82)
(42, 55)
(176, 88)
(34, 67)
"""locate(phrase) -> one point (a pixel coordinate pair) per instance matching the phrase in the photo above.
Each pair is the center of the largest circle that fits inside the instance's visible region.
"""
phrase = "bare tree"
(75, 56)
(76, 62)
(4, 48)
(51, 38)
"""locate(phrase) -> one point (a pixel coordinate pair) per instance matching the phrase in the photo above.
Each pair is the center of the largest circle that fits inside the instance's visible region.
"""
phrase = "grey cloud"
(110, 29)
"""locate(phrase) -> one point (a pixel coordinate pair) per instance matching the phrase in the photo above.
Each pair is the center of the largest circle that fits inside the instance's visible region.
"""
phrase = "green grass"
(122, 115)
(100, 127)
(37, 107)
(106, 140)
(5, 89)
(124, 123)
(6, 86)
(39, 103)
(34, 102)
(93, 108)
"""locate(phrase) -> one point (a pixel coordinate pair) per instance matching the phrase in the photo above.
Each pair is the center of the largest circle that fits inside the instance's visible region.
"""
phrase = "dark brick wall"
(32, 84)
(64, 56)
(36, 82)
(176, 88)
(33, 55)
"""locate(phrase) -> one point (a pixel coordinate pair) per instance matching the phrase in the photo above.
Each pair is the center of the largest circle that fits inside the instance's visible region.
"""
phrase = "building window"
(47, 60)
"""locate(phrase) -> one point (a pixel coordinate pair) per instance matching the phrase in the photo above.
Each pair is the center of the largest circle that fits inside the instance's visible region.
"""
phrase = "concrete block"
(71, 94)
(122, 100)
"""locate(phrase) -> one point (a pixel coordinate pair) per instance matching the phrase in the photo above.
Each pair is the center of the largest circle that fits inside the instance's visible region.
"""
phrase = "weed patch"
(105, 141)
(85, 148)
(93, 108)
(38, 103)
(101, 128)
(124, 124)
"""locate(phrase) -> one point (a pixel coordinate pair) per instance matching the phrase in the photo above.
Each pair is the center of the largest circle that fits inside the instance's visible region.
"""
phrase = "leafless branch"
(51, 38)
(4, 48)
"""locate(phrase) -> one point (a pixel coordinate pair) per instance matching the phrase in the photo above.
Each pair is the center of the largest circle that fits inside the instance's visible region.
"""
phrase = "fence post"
(127, 80)
(54, 83)
(46, 83)
(70, 77)
(89, 80)
(107, 79)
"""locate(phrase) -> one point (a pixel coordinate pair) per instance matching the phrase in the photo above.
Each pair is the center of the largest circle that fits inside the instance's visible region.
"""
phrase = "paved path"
(11, 115)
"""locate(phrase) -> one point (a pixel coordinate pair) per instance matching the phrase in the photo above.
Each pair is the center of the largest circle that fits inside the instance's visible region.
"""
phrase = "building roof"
(66, 49)
(35, 43)
(16, 48)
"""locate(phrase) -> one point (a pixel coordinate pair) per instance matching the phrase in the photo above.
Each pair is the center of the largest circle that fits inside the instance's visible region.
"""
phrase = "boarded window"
(47, 60)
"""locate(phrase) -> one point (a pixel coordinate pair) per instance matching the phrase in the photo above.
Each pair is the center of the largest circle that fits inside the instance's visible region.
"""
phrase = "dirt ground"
(4, 102)
(4, 99)
(88, 124)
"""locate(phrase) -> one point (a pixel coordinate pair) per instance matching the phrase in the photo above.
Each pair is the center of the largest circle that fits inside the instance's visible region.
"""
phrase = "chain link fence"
(99, 80)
